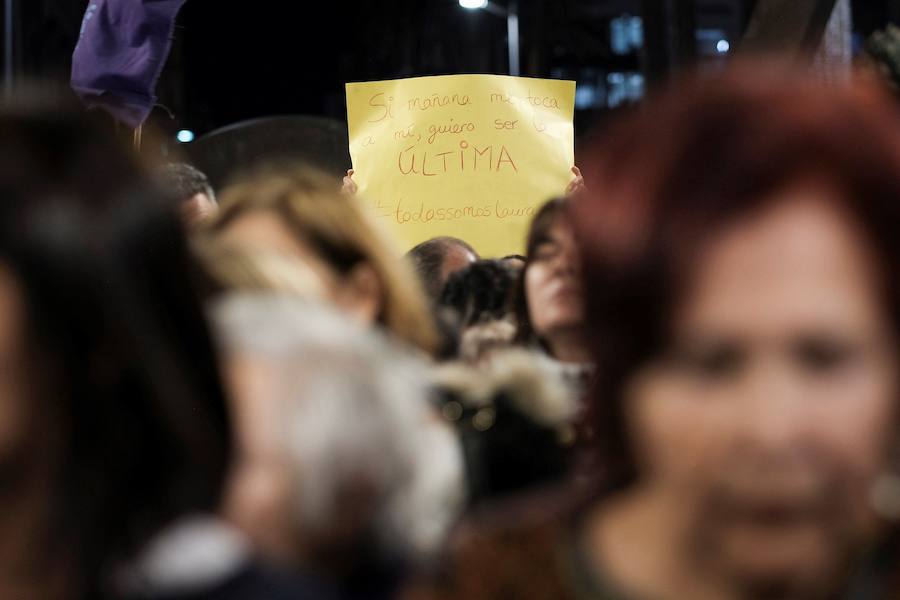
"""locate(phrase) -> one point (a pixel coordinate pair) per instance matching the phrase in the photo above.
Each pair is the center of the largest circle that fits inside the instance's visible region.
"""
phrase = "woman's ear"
(361, 294)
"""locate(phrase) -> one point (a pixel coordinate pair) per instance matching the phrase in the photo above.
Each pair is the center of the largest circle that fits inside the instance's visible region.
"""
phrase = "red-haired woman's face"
(552, 283)
(770, 416)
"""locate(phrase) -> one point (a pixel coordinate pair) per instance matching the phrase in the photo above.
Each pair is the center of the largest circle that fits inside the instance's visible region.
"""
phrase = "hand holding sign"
(472, 156)
(577, 184)
(349, 186)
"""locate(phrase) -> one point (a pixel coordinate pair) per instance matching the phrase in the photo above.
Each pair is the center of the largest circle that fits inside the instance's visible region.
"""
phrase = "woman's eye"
(545, 251)
(821, 355)
(717, 361)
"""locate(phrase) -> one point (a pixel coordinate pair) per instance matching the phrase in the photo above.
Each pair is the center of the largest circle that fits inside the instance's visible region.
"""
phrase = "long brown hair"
(538, 231)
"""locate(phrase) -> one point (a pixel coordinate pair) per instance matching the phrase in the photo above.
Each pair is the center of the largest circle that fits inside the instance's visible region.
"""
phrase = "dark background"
(234, 60)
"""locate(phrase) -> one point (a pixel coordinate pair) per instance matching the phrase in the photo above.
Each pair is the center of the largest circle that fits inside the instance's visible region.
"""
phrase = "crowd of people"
(687, 387)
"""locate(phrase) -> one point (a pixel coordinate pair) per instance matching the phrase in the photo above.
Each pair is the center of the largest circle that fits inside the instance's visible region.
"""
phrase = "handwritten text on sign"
(472, 156)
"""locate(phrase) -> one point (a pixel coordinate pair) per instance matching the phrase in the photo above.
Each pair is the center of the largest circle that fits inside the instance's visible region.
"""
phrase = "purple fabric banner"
(120, 55)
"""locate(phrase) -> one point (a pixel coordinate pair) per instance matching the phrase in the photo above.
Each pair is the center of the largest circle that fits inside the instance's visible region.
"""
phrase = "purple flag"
(120, 55)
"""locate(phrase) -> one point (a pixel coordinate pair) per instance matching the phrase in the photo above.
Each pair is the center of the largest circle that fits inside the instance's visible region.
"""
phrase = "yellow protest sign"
(472, 156)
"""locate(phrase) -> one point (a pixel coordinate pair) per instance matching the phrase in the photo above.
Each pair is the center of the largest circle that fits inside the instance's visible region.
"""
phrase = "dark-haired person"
(191, 190)
(481, 300)
(549, 301)
(114, 435)
(436, 259)
(515, 260)
(743, 303)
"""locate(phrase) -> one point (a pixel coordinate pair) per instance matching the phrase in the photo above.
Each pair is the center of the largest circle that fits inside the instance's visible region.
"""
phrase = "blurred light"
(185, 136)
(585, 96)
(712, 41)
(626, 34)
(634, 86)
(637, 33)
(473, 4)
(616, 93)
(618, 38)
(623, 88)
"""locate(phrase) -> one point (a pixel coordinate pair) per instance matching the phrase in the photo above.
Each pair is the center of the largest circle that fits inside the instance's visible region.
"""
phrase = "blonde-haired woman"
(231, 269)
(302, 212)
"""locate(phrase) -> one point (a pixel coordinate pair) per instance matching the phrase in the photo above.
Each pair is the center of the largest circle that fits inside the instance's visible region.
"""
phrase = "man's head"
(190, 188)
(435, 260)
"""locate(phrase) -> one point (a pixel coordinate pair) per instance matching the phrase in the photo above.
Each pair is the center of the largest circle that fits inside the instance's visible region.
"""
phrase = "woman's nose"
(776, 408)
(568, 261)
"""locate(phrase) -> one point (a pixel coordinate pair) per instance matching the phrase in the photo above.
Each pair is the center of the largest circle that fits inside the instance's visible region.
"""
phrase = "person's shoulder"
(202, 557)
(258, 582)
(522, 558)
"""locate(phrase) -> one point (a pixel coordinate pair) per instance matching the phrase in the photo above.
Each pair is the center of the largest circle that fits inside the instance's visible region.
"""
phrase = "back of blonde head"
(342, 233)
